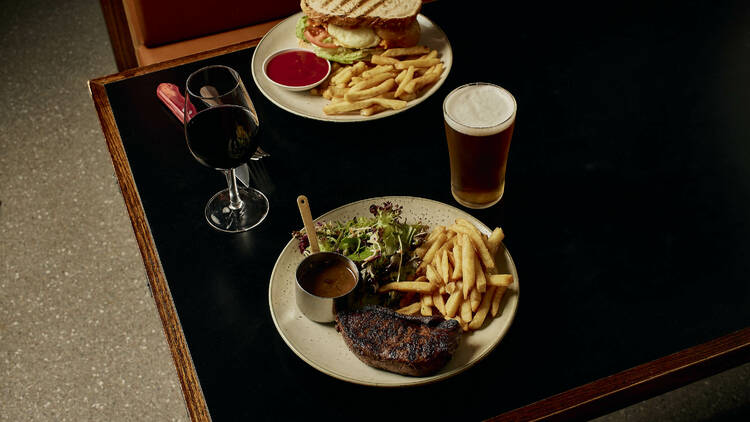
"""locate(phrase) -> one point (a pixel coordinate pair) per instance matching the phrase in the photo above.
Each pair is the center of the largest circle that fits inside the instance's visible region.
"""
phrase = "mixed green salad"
(382, 246)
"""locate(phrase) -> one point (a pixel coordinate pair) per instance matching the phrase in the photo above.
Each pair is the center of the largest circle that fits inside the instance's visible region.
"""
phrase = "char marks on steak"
(405, 344)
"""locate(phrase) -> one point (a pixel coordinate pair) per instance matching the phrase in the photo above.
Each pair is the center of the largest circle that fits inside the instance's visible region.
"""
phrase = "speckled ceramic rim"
(510, 302)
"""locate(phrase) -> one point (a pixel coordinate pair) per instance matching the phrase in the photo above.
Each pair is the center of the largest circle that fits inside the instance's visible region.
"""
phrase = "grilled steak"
(409, 345)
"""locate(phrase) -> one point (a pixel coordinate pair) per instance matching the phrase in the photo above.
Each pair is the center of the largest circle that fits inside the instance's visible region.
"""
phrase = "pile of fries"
(457, 276)
(388, 81)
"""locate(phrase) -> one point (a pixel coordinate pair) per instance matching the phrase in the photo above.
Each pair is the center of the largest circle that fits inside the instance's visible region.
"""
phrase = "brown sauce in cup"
(330, 280)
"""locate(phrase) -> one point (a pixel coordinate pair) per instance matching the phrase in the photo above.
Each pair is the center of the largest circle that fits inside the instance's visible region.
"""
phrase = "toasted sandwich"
(345, 31)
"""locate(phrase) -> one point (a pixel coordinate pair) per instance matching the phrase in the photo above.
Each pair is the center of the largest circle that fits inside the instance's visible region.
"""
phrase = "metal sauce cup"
(319, 308)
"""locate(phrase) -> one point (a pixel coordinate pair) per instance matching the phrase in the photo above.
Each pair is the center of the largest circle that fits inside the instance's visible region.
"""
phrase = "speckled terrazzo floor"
(80, 338)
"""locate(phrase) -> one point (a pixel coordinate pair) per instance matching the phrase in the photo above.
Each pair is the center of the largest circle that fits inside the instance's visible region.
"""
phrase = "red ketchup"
(297, 68)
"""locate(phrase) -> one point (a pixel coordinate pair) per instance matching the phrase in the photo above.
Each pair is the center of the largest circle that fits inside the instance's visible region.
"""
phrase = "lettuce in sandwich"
(336, 43)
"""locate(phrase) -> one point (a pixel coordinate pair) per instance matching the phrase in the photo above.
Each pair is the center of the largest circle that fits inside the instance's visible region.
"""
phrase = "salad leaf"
(382, 246)
(299, 30)
(342, 54)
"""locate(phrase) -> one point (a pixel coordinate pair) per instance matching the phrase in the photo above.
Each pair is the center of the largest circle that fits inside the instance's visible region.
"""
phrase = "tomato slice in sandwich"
(316, 35)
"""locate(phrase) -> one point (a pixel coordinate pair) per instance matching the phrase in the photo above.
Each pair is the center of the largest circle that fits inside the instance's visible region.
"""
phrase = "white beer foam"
(479, 109)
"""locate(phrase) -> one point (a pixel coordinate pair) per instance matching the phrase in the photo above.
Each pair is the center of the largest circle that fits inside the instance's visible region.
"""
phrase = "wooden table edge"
(194, 398)
(137, 71)
(639, 383)
(196, 403)
(589, 400)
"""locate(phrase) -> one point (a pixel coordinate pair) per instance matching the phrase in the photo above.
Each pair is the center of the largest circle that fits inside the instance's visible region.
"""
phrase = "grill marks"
(409, 345)
(391, 14)
(354, 8)
(368, 10)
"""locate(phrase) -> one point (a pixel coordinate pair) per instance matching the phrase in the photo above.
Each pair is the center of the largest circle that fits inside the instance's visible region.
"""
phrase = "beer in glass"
(479, 120)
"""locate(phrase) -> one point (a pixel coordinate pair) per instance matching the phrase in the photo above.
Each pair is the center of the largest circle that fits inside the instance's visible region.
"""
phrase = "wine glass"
(221, 129)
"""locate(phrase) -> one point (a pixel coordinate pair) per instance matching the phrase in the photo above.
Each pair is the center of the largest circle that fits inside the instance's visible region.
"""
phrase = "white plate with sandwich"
(285, 36)
(325, 349)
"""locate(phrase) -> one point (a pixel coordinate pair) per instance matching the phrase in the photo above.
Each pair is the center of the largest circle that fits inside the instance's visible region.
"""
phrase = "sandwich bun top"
(388, 14)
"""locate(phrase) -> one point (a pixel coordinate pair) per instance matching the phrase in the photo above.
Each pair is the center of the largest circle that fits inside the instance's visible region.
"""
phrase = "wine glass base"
(221, 217)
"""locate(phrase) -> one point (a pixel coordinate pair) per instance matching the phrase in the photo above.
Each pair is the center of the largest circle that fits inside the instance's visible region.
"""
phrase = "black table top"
(625, 209)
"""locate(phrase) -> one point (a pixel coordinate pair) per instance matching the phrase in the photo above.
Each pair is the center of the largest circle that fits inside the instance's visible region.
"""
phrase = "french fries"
(347, 73)
(463, 226)
(426, 307)
(457, 276)
(363, 94)
(408, 286)
(430, 254)
(388, 81)
(401, 65)
(410, 309)
(439, 302)
(500, 280)
(484, 308)
(408, 75)
(468, 270)
(345, 106)
(409, 51)
(454, 301)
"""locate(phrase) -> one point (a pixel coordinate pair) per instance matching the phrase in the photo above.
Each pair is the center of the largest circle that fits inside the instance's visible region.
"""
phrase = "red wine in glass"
(223, 135)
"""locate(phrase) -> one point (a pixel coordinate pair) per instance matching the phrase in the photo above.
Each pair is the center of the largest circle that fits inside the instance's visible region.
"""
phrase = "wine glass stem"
(235, 203)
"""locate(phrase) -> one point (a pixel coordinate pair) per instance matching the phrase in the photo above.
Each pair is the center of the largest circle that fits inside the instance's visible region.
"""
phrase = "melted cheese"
(354, 37)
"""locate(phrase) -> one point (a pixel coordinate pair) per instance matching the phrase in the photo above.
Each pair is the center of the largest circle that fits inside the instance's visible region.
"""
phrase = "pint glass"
(479, 120)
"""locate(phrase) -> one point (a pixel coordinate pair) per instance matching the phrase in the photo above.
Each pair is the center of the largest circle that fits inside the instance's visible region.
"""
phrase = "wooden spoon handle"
(304, 210)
